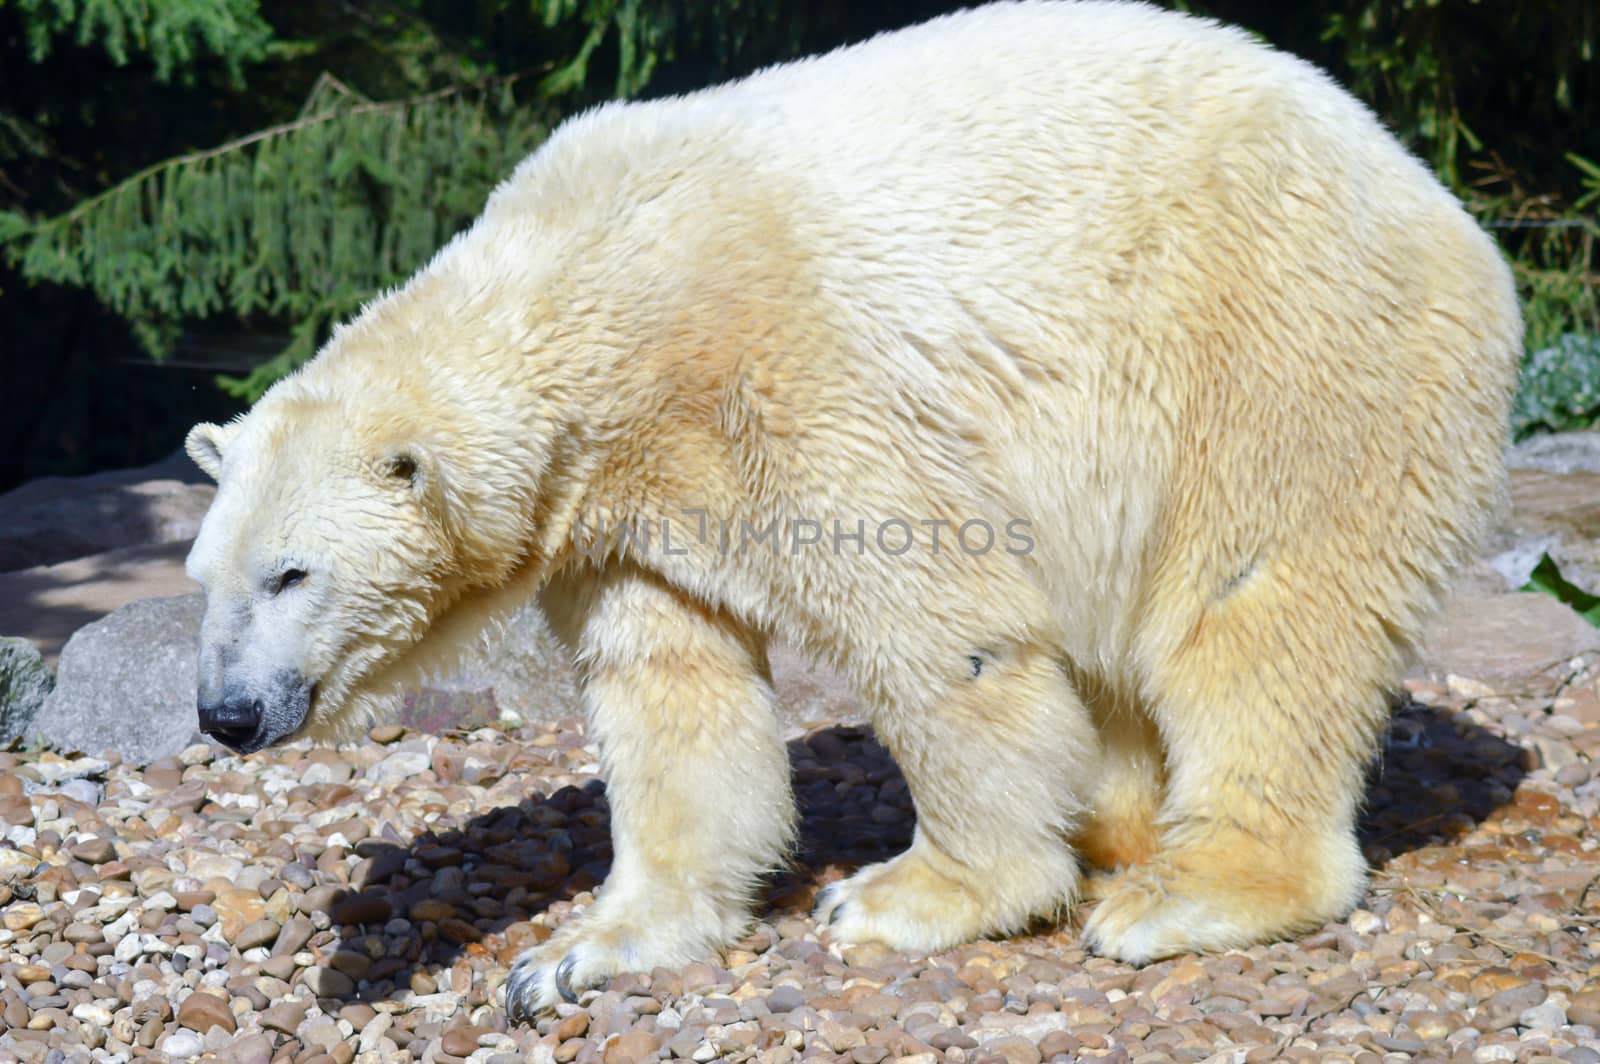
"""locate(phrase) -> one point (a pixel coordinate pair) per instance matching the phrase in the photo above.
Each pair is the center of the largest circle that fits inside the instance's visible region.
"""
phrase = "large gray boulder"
(127, 683)
(54, 519)
(25, 682)
(1555, 513)
(1506, 640)
(1561, 452)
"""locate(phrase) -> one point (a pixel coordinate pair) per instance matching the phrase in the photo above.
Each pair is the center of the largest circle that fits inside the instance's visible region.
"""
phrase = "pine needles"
(298, 222)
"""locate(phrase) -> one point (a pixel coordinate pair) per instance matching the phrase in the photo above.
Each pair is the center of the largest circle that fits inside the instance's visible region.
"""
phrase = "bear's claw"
(533, 987)
(830, 904)
(564, 979)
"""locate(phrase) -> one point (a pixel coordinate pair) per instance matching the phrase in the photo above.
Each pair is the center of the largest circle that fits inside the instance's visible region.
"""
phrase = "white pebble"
(92, 1013)
(1545, 1017)
(1363, 922)
(182, 1044)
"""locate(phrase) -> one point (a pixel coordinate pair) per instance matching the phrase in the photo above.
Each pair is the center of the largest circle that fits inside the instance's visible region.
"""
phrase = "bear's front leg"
(681, 703)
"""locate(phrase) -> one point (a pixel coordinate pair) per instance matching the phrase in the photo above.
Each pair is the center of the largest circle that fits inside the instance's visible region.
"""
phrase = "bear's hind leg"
(1120, 830)
(1270, 709)
(997, 768)
(697, 778)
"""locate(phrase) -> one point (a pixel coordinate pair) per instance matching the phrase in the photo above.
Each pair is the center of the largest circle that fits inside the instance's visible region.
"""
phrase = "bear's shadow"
(1438, 776)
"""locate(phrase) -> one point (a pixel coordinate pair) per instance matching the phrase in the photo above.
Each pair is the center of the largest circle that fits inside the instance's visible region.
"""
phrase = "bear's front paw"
(559, 970)
(904, 903)
(632, 927)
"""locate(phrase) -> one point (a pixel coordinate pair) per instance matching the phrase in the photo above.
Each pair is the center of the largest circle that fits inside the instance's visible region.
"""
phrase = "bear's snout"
(233, 721)
(248, 716)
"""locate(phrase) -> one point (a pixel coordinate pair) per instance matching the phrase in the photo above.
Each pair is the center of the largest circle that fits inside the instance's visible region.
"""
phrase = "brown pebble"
(458, 932)
(1585, 1007)
(423, 983)
(83, 933)
(188, 899)
(361, 909)
(386, 733)
(279, 967)
(285, 1016)
(201, 1011)
(256, 933)
(358, 1014)
(1491, 981)
(328, 982)
(574, 1026)
(293, 936)
(568, 1050)
(95, 851)
(432, 909)
(630, 1047)
(1056, 1043)
(462, 1041)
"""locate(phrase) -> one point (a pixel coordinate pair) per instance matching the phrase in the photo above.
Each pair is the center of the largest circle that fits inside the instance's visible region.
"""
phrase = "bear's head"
(325, 557)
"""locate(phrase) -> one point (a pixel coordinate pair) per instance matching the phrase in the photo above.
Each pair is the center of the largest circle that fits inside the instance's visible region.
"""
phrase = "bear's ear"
(416, 466)
(404, 464)
(205, 443)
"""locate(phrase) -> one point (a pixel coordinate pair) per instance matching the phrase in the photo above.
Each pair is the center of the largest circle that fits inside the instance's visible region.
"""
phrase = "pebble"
(181, 1045)
(322, 869)
(256, 933)
(201, 1011)
(95, 851)
(284, 1017)
(328, 982)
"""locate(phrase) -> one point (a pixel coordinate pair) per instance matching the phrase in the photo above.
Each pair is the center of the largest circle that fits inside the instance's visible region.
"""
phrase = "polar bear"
(1201, 378)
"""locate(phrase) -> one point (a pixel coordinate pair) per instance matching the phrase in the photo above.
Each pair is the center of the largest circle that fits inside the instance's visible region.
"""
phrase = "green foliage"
(351, 182)
(171, 32)
(1560, 387)
(1547, 578)
(298, 222)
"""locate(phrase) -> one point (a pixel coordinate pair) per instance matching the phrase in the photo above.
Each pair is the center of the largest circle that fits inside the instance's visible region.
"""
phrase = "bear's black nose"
(233, 722)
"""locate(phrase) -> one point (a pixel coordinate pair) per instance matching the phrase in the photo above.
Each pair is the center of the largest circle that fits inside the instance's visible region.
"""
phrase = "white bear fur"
(1173, 298)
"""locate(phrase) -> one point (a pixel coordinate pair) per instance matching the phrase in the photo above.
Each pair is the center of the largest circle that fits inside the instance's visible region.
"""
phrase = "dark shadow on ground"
(1438, 776)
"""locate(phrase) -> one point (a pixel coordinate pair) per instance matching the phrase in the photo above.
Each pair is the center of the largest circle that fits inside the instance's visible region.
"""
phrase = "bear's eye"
(287, 579)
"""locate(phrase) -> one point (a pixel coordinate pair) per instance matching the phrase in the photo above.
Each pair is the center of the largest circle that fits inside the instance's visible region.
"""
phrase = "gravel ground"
(363, 904)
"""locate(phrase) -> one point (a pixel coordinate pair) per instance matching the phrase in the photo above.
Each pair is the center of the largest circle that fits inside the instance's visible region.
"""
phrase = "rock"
(1504, 640)
(237, 909)
(284, 1017)
(25, 682)
(786, 998)
(201, 1011)
(53, 519)
(1554, 513)
(256, 933)
(1585, 1007)
(462, 1041)
(95, 851)
(1557, 452)
(630, 1048)
(808, 691)
(328, 982)
(127, 682)
(47, 604)
(295, 934)
(1506, 1007)
(361, 909)
(181, 1044)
